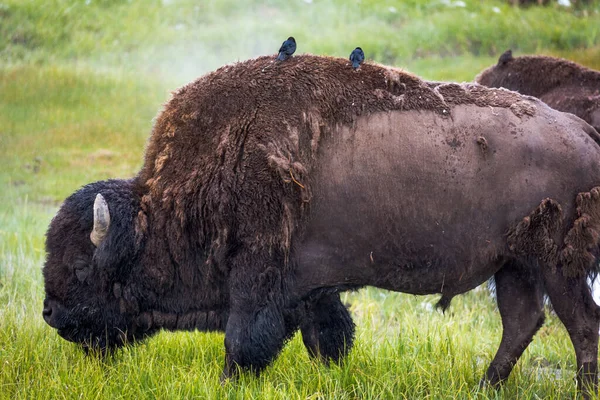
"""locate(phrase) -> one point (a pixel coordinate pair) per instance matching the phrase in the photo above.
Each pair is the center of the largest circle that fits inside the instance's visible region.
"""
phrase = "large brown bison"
(268, 188)
(562, 84)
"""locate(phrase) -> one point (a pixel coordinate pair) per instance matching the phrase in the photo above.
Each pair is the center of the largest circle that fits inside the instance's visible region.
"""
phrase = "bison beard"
(268, 188)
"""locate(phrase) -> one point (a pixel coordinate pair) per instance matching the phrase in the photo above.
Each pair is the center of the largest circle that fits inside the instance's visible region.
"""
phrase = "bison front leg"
(519, 295)
(256, 329)
(327, 328)
(573, 302)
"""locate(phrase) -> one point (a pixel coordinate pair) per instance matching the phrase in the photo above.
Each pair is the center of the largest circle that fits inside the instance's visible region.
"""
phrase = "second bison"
(562, 84)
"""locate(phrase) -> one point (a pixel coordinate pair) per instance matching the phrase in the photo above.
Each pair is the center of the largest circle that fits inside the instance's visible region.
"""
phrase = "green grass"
(179, 40)
(80, 82)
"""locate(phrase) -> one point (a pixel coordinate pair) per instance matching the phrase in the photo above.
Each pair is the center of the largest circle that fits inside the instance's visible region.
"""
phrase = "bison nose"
(47, 312)
(52, 313)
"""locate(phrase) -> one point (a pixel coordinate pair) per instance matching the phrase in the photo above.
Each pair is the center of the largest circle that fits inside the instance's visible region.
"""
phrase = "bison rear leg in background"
(327, 328)
(519, 293)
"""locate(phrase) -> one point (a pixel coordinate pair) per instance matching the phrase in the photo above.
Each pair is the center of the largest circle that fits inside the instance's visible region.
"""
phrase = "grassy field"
(80, 82)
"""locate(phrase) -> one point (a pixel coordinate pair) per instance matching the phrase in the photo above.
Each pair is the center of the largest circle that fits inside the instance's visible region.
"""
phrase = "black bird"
(357, 57)
(287, 49)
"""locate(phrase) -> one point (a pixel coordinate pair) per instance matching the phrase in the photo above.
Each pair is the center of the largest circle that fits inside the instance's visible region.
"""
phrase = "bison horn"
(101, 220)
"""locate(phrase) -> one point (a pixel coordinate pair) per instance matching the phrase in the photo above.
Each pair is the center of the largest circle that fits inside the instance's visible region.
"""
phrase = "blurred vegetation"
(80, 82)
(187, 37)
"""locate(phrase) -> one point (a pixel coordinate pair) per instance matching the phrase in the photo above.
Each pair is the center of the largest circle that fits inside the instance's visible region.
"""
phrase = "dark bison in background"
(562, 84)
(268, 188)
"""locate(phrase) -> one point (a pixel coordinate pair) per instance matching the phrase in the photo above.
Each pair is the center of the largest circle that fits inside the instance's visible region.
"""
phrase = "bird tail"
(281, 57)
(355, 64)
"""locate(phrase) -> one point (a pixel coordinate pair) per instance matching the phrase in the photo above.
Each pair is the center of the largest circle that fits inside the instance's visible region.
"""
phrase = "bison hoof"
(494, 383)
(230, 373)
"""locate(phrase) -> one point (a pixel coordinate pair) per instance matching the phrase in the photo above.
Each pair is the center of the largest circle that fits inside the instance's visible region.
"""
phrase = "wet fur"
(580, 252)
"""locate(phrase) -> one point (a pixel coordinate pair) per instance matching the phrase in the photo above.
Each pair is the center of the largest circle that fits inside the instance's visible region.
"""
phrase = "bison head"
(91, 248)
(500, 75)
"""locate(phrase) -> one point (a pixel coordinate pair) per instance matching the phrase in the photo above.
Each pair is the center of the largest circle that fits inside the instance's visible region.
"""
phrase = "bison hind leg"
(572, 301)
(327, 328)
(519, 293)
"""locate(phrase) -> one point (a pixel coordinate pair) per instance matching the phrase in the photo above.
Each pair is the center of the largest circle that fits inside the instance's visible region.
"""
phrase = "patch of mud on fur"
(523, 108)
(483, 145)
(584, 236)
(291, 172)
(393, 82)
(534, 234)
(313, 119)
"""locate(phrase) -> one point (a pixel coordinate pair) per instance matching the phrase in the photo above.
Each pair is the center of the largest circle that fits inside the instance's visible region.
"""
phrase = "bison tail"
(581, 251)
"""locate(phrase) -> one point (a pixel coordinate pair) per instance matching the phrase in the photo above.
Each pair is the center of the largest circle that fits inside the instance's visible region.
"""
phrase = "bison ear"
(101, 220)
(505, 58)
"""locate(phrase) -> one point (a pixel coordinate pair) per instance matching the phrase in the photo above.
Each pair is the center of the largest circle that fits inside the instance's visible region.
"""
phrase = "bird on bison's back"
(357, 57)
(287, 49)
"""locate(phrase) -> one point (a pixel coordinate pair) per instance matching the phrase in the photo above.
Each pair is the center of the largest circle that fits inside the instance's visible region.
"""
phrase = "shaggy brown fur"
(562, 84)
(535, 233)
(581, 243)
(308, 98)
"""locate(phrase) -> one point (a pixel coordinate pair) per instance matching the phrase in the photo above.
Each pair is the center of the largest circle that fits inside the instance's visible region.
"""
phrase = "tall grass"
(182, 39)
(80, 82)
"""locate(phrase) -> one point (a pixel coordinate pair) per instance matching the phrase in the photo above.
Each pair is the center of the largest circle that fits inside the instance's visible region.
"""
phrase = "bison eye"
(82, 270)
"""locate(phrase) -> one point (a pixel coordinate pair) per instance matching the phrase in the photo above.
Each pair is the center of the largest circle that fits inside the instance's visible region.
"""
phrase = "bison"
(562, 84)
(269, 188)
